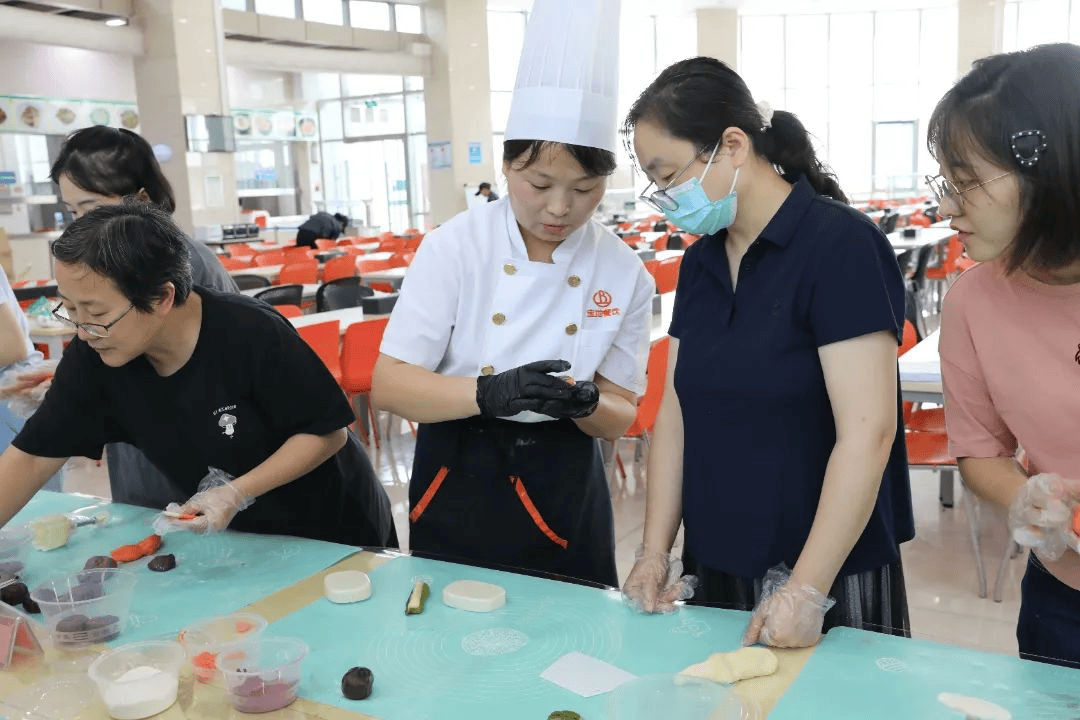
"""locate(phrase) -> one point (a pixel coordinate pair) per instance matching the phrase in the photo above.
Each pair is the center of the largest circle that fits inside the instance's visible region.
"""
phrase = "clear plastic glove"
(656, 583)
(787, 614)
(526, 387)
(1040, 516)
(24, 386)
(214, 505)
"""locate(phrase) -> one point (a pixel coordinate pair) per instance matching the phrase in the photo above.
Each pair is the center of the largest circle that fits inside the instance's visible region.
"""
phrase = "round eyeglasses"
(943, 189)
(95, 329)
(660, 200)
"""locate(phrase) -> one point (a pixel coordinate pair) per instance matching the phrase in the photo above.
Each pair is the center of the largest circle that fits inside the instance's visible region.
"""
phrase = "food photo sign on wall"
(266, 124)
(52, 116)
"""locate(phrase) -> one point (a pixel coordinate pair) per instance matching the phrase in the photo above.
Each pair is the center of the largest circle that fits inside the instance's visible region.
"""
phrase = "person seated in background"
(321, 225)
(218, 390)
(16, 352)
(486, 191)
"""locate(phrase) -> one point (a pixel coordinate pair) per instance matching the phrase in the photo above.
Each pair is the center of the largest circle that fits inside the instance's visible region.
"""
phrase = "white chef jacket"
(473, 304)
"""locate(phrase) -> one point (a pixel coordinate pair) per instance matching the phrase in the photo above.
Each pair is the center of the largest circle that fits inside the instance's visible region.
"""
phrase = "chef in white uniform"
(505, 306)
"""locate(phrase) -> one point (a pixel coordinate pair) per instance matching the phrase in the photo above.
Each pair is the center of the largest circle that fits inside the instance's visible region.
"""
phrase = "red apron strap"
(429, 494)
(519, 486)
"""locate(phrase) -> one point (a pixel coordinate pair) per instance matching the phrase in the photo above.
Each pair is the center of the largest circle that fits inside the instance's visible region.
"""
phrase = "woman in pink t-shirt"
(1007, 139)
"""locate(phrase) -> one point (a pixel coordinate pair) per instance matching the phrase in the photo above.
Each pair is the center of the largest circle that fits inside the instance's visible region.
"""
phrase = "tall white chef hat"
(568, 76)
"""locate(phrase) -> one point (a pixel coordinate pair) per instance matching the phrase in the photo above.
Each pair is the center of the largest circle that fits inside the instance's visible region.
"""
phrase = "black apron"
(527, 496)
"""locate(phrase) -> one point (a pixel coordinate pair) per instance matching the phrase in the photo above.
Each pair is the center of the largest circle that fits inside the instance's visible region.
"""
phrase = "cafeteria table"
(920, 381)
(449, 664)
(922, 237)
(394, 276)
(345, 316)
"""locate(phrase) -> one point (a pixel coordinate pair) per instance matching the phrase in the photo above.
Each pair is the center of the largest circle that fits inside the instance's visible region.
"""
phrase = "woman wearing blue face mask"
(778, 443)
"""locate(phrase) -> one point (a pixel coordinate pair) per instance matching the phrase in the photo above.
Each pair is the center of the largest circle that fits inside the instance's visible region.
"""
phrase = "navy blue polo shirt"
(757, 422)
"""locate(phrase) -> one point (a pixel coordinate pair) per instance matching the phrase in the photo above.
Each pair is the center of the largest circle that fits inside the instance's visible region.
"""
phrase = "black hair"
(134, 244)
(343, 219)
(484, 186)
(113, 162)
(699, 98)
(594, 161)
(1035, 89)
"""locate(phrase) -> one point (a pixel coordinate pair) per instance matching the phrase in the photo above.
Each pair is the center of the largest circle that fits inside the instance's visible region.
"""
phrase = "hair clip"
(766, 115)
(1027, 146)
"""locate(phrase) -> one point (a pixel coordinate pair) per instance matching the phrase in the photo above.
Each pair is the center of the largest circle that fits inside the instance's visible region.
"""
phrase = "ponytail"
(786, 144)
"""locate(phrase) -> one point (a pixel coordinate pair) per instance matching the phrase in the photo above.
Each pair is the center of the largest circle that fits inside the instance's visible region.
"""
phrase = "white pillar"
(980, 31)
(718, 35)
(457, 98)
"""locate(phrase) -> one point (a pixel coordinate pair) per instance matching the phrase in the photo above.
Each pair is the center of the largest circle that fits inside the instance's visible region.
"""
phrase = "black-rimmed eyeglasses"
(660, 200)
(95, 329)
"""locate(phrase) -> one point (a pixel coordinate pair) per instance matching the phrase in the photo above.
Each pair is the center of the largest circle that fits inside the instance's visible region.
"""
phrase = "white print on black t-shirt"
(227, 422)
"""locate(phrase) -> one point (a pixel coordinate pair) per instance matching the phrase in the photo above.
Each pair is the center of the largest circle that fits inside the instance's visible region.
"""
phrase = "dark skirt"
(874, 600)
(531, 497)
(1048, 628)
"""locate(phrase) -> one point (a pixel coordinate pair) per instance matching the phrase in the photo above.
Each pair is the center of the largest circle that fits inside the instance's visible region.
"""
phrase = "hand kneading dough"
(347, 586)
(973, 707)
(474, 596)
(729, 667)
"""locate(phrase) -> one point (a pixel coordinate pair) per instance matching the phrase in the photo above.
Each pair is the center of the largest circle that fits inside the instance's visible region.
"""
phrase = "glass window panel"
(264, 166)
(636, 60)
(407, 19)
(418, 181)
(415, 112)
(1074, 22)
(414, 82)
(279, 8)
(356, 85)
(811, 106)
(894, 157)
(675, 39)
(324, 11)
(850, 49)
(851, 137)
(938, 47)
(807, 38)
(1008, 34)
(370, 15)
(506, 36)
(1041, 21)
(374, 116)
(234, 5)
(500, 110)
(894, 102)
(762, 60)
(319, 86)
(896, 47)
(330, 127)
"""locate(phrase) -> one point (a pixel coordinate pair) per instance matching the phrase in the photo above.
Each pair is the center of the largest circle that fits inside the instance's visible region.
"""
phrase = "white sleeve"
(423, 318)
(625, 361)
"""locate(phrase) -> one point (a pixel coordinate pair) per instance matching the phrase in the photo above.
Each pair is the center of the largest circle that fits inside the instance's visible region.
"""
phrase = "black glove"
(584, 397)
(526, 387)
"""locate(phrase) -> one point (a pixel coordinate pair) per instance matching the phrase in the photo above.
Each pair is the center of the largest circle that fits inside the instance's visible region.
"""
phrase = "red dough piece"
(149, 544)
(206, 660)
(242, 626)
(129, 553)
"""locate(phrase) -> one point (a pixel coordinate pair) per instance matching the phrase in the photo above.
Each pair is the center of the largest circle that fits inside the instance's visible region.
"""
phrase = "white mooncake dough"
(347, 586)
(973, 707)
(730, 667)
(474, 596)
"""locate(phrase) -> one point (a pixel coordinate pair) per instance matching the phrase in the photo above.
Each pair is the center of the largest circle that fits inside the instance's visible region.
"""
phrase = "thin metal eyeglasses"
(942, 188)
(95, 329)
(660, 200)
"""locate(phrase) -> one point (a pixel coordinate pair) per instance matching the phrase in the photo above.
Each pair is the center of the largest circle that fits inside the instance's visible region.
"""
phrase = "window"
(895, 157)
(354, 85)
(369, 15)
(324, 11)
(1034, 22)
(240, 5)
(506, 37)
(279, 8)
(407, 19)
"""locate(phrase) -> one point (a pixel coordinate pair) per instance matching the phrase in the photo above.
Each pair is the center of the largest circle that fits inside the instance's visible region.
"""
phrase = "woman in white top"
(507, 469)
(16, 350)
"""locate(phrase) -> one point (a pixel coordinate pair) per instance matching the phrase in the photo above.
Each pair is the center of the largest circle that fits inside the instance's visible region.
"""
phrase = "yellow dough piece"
(730, 667)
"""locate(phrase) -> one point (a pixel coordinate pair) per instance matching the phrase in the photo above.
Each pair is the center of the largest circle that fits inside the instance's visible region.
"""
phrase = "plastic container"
(138, 680)
(262, 674)
(671, 696)
(14, 540)
(87, 607)
(204, 639)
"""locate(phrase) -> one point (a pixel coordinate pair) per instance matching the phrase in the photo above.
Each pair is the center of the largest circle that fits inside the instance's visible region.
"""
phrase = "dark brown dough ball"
(100, 561)
(87, 591)
(357, 683)
(46, 595)
(30, 606)
(14, 594)
(11, 568)
(110, 624)
(72, 623)
(162, 563)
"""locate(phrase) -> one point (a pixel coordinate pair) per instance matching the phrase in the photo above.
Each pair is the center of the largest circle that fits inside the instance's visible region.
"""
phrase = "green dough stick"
(564, 715)
(417, 598)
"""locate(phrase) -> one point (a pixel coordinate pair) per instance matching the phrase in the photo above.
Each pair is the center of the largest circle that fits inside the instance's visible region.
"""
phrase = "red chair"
(648, 406)
(325, 339)
(300, 273)
(667, 274)
(651, 266)
(230, 263)
(289, 311)
(274, 257)
(366, 266)
(401, 259)
(296, 253)
(391, 244)
(382, 286)
(240, 249)
(359, 351)
(347, 241)
(325, 244)
(351, 250)
(339, 267)
(661, 242)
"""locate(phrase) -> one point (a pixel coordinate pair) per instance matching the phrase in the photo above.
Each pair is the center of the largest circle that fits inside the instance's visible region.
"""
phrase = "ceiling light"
(116, 22)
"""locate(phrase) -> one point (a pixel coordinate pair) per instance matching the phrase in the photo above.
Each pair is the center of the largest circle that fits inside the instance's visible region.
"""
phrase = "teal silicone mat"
(450, 664)
(215, 574)
(856, 674)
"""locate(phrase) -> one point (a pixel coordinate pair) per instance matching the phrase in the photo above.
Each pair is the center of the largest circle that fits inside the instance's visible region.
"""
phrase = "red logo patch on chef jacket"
(602, 298)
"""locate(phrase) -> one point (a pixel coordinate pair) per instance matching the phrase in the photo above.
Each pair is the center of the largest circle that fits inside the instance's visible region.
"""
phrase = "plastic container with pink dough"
(262, 674)
(204, 639)
(138, 680)
(87, 607)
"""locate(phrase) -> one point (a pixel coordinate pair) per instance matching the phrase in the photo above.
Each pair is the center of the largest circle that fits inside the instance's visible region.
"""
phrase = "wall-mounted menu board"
(59, 116)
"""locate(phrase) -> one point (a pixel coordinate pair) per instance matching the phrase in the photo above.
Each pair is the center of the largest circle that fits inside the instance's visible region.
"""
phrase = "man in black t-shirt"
(196, 379)
(321, 225)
